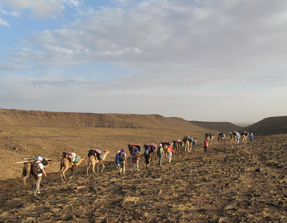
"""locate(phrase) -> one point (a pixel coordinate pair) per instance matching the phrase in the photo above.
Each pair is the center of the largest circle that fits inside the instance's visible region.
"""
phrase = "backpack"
(146, 153)
(122, 157)
(35, 169)
(134, 156)
(159, 150)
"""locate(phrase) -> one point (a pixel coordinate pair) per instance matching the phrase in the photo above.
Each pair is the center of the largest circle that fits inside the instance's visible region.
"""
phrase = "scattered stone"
(230, 206)
(159, 191)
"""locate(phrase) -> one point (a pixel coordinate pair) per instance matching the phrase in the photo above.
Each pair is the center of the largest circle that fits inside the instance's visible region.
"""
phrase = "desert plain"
(244, 182)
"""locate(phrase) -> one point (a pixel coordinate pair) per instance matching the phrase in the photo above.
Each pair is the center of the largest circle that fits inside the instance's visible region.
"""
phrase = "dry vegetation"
(229, 183)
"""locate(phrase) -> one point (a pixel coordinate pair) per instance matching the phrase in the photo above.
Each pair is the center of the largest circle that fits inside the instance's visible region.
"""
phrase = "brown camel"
(96, 162)
(245, 136)
(187, 146)
(221, 138)
(232, 137)
(26, 173)
(66, 164)
(177, 145)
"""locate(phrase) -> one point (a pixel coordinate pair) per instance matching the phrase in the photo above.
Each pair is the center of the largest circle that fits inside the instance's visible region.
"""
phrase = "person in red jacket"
(205, 145)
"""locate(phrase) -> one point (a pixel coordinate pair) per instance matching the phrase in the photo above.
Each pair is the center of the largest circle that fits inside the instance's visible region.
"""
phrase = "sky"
(202, 60)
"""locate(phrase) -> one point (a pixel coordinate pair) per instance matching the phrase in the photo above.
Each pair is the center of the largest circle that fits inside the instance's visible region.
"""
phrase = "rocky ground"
(229, 183)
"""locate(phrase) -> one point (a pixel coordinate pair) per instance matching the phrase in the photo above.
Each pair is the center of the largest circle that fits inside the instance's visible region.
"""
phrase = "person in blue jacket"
(118, 159)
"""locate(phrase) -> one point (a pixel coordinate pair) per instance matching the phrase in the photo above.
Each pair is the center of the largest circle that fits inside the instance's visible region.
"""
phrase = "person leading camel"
(123, 162)
(38, 177)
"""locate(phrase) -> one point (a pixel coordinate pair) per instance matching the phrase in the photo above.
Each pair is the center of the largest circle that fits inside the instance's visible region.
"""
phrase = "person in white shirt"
(38, 177)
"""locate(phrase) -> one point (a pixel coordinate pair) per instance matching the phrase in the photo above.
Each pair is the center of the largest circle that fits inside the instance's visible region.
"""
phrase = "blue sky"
(207, 60)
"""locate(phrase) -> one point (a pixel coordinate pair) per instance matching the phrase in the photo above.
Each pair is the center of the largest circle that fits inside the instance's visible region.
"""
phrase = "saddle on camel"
(97, 153)
(132, 148)
(73, 157)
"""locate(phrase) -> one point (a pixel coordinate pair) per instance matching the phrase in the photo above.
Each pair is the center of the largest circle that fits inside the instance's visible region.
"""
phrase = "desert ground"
(243, 182)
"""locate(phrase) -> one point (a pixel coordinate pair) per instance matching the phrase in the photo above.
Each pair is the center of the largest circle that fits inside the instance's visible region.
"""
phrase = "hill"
(269, 126)
(217, 126)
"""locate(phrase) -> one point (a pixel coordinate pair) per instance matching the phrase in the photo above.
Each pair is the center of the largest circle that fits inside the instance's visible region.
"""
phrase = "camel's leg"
(103, 167)
(88, 166)
(24, 180)
(63, 174)
(94, 169)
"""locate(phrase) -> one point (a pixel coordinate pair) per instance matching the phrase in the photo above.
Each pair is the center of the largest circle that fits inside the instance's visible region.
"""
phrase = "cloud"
(41, 9)
(4, 22)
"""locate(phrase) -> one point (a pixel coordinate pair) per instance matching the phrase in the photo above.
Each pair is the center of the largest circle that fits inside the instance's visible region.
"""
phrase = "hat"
(136, 150)
(39, 158)
(122, 150)
(160, 145)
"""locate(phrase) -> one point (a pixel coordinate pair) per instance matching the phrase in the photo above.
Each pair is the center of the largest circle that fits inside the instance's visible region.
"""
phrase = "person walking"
(205, 145)
(147, 156)
(237, 137)
(251, 137)
(194, 144)
(169, 153)
(160, 154)
(117, 160)
(39, 171)
(123, 162)
(135, 160)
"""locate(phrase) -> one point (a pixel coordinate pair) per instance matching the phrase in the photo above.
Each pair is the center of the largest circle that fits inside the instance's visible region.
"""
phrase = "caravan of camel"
(96, 157)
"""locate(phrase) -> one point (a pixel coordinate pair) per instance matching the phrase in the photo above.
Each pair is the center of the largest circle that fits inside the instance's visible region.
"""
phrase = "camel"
(221, 137)
(96, 162)
(232, 137)
(177, 145)
(245, 136)
(209, 138)
(187, 146)
(26, 173)
(66, 164)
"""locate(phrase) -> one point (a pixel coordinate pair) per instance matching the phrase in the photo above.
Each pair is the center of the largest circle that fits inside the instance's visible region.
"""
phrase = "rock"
(258, 170)
(230, 206)
(159, 191)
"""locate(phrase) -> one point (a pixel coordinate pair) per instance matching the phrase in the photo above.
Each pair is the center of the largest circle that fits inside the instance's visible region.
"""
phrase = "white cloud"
(4, 22)
(41, 9)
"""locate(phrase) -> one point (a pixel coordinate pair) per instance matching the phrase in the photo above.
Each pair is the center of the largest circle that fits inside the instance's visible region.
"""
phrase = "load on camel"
(27, 171)
(187, 143)
(96, 158)
(153, 150)
(132, 148)
(70, 161)
(221, 137)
